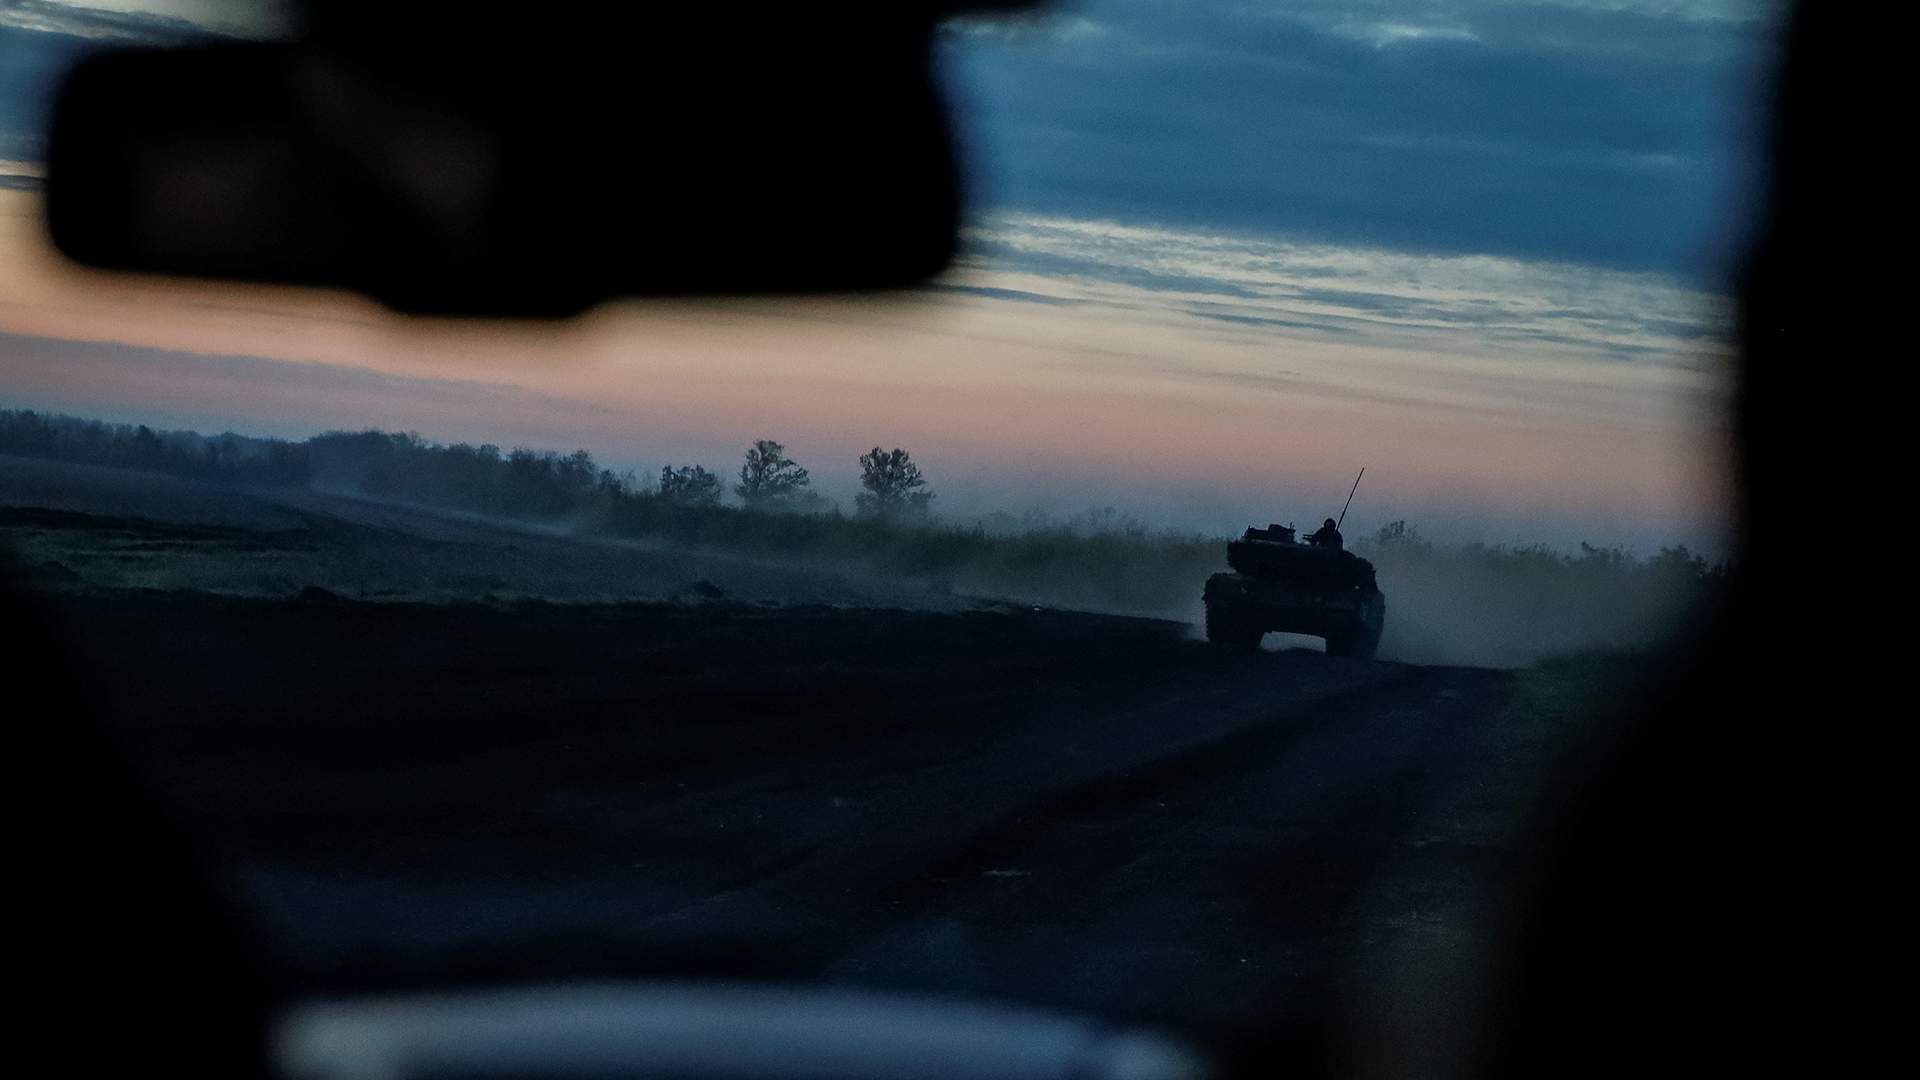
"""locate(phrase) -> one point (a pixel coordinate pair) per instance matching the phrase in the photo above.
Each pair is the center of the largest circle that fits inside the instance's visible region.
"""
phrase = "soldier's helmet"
(1329, 524)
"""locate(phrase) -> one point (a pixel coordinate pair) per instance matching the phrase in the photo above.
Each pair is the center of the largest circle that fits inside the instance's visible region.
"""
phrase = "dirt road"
(1089, 812)
(407, 775)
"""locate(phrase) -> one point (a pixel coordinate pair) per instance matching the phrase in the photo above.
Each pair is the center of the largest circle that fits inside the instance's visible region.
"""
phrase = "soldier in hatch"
(1327, 536)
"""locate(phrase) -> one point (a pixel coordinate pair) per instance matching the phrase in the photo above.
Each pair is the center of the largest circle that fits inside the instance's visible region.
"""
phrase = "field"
(123, 529)
(422, 747)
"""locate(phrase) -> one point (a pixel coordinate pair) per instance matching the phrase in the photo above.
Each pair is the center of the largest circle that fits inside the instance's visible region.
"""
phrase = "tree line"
(237, 458)
(520, 482)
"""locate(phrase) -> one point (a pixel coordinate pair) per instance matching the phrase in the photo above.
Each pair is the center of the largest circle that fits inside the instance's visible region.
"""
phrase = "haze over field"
(389, 518)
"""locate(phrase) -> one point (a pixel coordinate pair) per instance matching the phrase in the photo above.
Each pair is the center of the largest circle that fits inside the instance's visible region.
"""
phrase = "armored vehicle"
(1281, 584)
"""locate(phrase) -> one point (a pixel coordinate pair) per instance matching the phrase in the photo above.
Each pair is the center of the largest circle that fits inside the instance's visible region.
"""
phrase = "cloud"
(1003, 294)
(1451, 304)
(1383, 34)
(41, 41)
(21, 175)
(145, 24)
(1046, 26)
(1620, 135)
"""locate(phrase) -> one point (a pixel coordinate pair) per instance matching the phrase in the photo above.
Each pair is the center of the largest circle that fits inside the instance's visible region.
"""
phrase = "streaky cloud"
(1471, 303)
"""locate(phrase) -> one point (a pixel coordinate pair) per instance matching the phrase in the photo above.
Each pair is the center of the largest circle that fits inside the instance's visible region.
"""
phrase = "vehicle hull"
(1241, 607)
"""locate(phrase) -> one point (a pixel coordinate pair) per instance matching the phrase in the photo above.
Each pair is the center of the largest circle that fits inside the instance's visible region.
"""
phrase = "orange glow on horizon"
(978, 388)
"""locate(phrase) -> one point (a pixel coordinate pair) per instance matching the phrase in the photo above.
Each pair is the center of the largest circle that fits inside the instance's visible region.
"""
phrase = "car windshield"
(1177, 610)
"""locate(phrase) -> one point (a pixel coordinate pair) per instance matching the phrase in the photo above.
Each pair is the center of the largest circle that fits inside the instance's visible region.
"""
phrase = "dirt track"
(1083, 811)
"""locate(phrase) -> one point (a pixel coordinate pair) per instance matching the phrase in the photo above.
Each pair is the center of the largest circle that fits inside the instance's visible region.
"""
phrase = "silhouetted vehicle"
(1281, 584)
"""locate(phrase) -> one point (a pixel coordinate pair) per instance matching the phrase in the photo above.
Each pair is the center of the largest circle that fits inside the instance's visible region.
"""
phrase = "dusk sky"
(1220, 256)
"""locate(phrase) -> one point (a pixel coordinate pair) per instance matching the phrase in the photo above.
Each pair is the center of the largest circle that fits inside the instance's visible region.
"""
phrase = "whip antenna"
(1344, 509)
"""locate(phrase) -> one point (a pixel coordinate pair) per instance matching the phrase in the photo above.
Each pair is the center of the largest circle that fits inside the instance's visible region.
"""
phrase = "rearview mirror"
(473, 172)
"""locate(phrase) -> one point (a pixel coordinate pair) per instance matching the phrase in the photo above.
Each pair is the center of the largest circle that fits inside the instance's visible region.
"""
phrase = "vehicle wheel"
(1224, 629)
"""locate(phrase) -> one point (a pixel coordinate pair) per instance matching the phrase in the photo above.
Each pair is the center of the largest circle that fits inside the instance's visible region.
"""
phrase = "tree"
(1398, 532)
(769, 474)
(890, 480)
(689, 485)
(1679, 564)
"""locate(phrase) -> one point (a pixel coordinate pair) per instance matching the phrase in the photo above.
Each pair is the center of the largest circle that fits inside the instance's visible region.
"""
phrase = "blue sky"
(1619, 134)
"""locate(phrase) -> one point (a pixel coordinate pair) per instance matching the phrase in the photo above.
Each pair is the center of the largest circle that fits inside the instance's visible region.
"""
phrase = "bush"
(689, 485)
